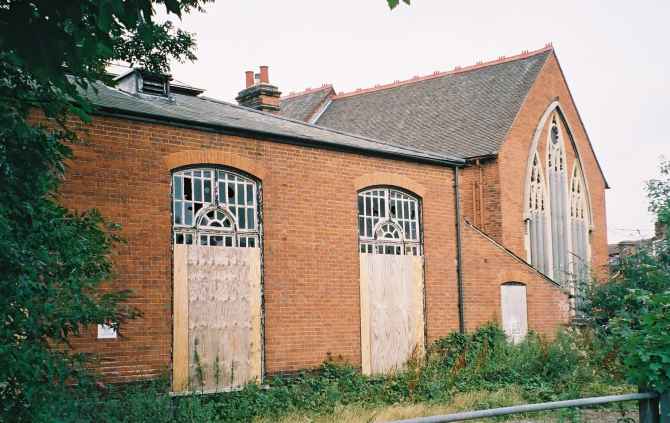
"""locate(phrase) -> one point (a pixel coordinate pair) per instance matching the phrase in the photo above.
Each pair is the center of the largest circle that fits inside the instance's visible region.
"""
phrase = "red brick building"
(363, 225)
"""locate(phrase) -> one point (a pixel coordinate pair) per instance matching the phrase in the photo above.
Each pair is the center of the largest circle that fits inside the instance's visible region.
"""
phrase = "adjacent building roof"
(305, 105)
(210, 114)
(465, 113)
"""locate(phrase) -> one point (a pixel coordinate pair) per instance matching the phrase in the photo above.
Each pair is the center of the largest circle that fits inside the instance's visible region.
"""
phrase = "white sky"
(614, 53)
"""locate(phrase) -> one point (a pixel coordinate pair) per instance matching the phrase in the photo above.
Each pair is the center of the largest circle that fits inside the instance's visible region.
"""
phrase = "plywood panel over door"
(514, 311)
(392, 318)
(217, 326)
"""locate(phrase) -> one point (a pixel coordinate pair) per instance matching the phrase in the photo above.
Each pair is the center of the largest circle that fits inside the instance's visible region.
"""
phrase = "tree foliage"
(631, 312)
(54, 260)
(394, 3)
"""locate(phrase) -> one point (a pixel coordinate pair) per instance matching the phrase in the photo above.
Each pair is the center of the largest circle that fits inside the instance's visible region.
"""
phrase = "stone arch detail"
(217, 157)
(389, 179)
(554, 106)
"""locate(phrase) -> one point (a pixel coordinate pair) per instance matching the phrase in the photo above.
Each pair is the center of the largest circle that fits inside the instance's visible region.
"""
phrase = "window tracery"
(388, 222)
(214, 207)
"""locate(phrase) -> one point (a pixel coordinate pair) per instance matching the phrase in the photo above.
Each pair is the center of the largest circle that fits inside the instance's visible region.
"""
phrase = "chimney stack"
(249, 78)
(258, 93)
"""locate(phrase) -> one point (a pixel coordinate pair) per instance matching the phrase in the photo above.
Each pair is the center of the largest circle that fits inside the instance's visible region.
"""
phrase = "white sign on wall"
(106, 332)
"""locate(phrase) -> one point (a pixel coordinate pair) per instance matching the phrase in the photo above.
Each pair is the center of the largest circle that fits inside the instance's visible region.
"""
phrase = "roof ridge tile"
(306, 91)
(438, 74)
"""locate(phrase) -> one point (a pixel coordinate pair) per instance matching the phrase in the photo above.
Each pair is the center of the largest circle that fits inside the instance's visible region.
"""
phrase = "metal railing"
(653, 407)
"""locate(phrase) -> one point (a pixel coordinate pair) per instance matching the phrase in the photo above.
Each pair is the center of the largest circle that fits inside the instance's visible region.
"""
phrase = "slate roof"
(211, 114)
(464, 113)
(302, 107)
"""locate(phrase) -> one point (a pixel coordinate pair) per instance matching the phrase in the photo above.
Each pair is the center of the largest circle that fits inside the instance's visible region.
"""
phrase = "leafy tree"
(658, 192)
(394, 3)
(54, 260)
(631, 311)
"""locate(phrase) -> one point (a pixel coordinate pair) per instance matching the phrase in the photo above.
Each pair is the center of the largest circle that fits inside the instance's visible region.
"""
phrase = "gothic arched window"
(388, 222)
(214, 207)
(536, 220)
(558, 197)
(580, 222)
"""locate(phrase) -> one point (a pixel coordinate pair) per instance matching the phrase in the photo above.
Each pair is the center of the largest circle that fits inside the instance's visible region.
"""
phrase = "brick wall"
(513, 158)
(311, 275)
(504, 178)
(486, 266)
(481, 196)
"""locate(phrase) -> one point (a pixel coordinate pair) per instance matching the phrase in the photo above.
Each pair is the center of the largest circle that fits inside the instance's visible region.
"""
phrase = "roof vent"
(154, 84)
(141, 82)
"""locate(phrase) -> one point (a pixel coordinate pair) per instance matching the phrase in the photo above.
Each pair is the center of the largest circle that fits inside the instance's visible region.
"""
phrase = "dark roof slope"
(464, 113)
(303, 106)
(210, 114)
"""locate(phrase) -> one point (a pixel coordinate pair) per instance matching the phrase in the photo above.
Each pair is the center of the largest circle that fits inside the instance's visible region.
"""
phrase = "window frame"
(370, 226)
(249, 205)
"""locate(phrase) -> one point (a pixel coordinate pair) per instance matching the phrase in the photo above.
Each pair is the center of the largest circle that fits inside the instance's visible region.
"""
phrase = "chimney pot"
(265, 78)
(258, 93)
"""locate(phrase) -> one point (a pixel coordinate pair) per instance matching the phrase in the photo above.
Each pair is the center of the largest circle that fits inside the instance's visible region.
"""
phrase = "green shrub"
(483, 361)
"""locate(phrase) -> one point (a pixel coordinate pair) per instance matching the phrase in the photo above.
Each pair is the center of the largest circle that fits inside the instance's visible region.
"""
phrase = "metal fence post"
(648, 410)
(665, 407)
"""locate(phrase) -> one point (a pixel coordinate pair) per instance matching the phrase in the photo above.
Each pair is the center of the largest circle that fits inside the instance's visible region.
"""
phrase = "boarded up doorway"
(392, 320)
(217, 280)
(217, 318)
(514, 311)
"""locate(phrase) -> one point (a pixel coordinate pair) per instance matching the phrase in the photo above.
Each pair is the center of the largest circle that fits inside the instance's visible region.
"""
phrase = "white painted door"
(514, 311)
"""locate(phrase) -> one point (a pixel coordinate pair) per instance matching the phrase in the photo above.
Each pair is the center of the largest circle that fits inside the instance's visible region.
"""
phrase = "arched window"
(580, 222)
(536, 220)
(558, 197)
(388, 222)
(214, 207)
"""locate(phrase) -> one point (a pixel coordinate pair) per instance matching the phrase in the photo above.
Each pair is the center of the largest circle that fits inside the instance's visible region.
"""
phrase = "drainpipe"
(459, 260)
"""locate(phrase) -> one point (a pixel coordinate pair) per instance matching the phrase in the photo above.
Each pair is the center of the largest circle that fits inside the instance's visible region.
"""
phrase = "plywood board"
(365, 316)
(514, 311)
(393, 310)
(224, 317)
(180, 320)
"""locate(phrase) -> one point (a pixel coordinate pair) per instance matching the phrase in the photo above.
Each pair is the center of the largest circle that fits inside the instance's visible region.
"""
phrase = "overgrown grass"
(475, 371)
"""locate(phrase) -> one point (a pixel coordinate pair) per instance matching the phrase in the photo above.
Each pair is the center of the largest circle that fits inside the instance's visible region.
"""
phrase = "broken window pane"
(231, 194)
(187, 189)
(400, 210)
(193, 190)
